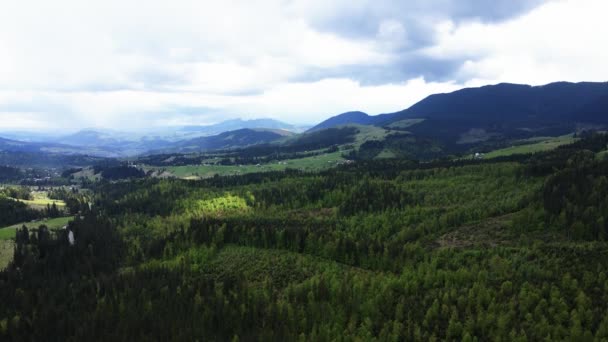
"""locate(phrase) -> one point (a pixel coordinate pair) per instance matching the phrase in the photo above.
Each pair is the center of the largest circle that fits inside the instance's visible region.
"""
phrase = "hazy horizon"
(141, 130)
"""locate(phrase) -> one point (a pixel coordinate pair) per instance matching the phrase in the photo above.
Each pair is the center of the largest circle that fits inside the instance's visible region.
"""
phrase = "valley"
(392, 227)
(301, 170)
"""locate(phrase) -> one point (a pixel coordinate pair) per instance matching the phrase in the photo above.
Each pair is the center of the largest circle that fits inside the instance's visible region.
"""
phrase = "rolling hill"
(109, 143)
(9, 145)
(228, 140)
(347, 118)
(236, 124)
(441, 123)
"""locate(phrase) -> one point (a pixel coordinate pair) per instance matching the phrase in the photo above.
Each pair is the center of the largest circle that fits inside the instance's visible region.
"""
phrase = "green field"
(41, 200)
(314, 163)
(8, 233)
(6, 252)
(533, 145)
(368, 133)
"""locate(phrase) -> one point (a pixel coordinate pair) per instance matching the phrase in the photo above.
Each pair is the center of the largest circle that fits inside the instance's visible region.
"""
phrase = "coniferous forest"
(508, 249)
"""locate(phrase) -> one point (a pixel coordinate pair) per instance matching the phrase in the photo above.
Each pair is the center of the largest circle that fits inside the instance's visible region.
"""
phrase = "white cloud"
(67, 44)
(560, 40)
(317, 100)
(305, 102)
(20, 120)
(392, 34)
(68, 64)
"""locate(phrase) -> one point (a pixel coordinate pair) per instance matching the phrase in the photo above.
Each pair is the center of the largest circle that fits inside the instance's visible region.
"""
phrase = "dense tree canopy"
(510, 249)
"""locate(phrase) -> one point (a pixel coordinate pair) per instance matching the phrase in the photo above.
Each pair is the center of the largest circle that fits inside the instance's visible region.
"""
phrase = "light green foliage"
(314, 163)
(6, 252)
(221, 205)
(532, 145)
(7, 233)
(40, 200)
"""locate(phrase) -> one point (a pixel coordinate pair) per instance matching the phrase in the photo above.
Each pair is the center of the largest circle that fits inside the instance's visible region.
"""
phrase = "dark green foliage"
(45, 159)
(590, 140)
(576, 198)
(387, 250)
(122, 172)
(402, 146)
(74, 201)
(12, 211)
(325, 138)
(9, 174)
(378, 196)
(67, 173)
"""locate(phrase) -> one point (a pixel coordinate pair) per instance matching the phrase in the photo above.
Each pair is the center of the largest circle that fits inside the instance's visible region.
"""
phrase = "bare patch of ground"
(492, 232)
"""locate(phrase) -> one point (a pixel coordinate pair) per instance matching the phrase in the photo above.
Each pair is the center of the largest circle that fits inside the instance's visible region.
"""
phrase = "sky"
(132, 65)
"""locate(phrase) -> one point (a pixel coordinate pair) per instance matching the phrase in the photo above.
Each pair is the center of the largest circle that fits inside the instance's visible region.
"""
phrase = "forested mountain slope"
(496, 112)
(554, 102)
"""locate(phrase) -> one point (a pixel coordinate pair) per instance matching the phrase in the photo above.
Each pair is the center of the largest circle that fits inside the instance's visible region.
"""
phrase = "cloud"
(69, 64)
(299, 102)
(561, 40)
(121, 44)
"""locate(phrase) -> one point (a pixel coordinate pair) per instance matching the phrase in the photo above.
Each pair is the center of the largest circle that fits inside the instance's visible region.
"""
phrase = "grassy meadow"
(8, 233)
(313, 163)
(533, 145)
(41, 200)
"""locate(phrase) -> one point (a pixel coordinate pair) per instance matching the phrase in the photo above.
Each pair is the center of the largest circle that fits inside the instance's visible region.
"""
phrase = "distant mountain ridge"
(347, 118)
(236, 124)
(227, 140)
(512, 102)
(9, 145)
(111, 143)
(34, 154)
(463, 117)
(560, 101)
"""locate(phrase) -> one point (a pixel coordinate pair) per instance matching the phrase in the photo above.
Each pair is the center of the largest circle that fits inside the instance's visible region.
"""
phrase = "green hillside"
(532, 145)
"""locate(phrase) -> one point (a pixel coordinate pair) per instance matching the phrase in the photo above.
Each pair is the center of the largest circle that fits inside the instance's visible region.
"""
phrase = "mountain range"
(503, 110)
(236, 124)
(112, 143)
(240, 138)
(465, 117)
(505, 102)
